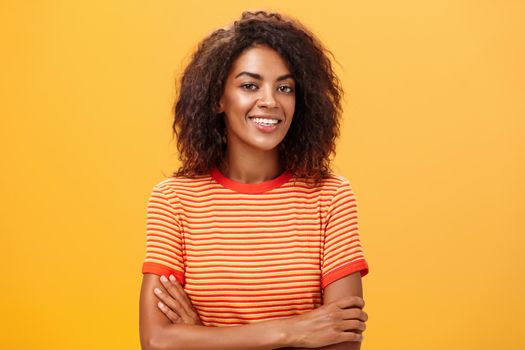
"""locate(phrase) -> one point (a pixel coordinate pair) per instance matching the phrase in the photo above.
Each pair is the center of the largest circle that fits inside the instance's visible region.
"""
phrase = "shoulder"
(337, 180)
(174, 184)
(331, 183)
(336, 188)
(330, 190)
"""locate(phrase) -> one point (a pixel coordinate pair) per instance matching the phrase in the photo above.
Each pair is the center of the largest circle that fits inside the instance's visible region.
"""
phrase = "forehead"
(260, 59)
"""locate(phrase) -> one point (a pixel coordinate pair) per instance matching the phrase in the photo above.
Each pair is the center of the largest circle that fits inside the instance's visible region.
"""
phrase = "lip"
(266, 116)
(265, 128)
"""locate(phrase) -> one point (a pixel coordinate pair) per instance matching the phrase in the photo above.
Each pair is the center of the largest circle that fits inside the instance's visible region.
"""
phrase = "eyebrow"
(259, 77)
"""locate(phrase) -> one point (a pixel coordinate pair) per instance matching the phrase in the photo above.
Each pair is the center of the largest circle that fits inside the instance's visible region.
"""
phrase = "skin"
(168, 318)
(334, 325)
(177, 307)
(252, 155)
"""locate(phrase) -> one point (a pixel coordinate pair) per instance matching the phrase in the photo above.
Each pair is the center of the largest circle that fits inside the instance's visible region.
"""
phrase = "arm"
(157, 332)
(345, 286)
(348, 285)
(331, 323)
(342, 247)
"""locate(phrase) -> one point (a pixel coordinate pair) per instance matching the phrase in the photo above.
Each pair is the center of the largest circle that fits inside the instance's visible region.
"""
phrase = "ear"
(220, 108)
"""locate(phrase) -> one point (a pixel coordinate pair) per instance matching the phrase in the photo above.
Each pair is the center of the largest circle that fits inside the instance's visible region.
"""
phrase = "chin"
(265, 146)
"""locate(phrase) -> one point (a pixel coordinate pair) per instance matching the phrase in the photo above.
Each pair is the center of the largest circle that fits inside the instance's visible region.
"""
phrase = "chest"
(253, 256)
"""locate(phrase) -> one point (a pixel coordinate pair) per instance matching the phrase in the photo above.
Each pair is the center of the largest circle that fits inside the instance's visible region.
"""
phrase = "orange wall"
(432, 143)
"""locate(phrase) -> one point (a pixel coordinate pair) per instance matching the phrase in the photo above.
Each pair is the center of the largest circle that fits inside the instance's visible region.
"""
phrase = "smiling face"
(258, 100)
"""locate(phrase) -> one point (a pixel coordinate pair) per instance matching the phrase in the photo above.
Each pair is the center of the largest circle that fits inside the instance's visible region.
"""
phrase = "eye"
(289, 89)
(247, 86)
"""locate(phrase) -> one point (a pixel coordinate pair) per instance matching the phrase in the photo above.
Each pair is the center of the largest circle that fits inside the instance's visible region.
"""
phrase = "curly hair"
(306, 149)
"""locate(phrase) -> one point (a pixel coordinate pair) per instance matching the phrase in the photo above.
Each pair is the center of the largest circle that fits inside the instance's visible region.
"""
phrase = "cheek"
(290, 107)
(239, 103)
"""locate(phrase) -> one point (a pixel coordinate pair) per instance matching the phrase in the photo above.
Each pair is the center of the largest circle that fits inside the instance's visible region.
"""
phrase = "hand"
(339, 321)
(175, 304)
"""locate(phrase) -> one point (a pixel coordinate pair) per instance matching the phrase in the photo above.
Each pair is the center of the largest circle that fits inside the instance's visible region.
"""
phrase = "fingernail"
(158, 291)
(163, 278)
(161, 304)
(172, 278)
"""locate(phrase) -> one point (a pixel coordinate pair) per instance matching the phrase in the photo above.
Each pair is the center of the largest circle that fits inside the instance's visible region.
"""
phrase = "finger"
(355, 313)
(350, 301)
(184, 310)
(172, 316)
(189, 306)
(353, 325)
(174, 307)
(351, 336)
(178, 286)
(192, 312)
(173, 304)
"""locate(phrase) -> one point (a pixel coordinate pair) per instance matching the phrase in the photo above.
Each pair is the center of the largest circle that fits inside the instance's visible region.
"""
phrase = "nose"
(267, 99)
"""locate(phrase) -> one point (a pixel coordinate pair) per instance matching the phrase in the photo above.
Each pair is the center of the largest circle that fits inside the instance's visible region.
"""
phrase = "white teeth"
(265, 121)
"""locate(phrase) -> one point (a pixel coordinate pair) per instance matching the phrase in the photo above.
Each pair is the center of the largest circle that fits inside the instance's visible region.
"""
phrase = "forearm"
(255, 336)
(354, 345)
(340, 346)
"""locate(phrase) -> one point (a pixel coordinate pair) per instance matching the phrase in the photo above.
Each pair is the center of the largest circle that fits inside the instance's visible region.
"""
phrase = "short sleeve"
(342, 253)
(164, 243)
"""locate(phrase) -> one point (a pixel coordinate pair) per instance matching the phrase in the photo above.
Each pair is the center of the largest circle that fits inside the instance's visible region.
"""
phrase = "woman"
(254, 239)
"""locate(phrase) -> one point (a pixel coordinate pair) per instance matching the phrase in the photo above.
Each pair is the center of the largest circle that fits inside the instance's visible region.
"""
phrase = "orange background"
(432, 143)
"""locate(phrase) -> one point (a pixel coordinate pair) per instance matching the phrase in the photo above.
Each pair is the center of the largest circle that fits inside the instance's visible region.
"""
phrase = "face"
(258, 100)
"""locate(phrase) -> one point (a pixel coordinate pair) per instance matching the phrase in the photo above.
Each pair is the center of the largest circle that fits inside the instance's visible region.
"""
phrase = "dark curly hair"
(306, 149)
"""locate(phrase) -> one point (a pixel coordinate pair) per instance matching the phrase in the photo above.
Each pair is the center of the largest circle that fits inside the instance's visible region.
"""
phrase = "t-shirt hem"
(158, 269)
(345, 270)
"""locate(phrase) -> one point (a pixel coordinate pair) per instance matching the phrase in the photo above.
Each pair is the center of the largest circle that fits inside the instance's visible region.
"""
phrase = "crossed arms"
(336, 325)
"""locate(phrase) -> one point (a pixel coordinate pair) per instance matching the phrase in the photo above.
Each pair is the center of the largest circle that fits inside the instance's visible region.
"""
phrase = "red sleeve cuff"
(345, 270)
(158, 269)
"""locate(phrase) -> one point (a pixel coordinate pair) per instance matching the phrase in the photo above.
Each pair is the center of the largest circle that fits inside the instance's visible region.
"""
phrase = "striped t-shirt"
(251, 252)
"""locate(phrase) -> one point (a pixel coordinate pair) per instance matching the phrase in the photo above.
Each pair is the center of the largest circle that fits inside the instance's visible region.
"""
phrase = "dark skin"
(258, 84)
(177, 307)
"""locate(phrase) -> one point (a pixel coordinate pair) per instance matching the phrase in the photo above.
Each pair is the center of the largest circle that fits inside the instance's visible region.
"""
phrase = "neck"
(251, 166)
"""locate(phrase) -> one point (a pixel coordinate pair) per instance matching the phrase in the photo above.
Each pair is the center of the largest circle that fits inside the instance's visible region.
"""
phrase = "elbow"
(151, 341)
(154, 342)
(148, 342)
(161, 339)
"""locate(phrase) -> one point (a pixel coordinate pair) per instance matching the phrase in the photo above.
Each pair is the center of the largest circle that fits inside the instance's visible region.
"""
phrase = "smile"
(266, 125)
(265, 121)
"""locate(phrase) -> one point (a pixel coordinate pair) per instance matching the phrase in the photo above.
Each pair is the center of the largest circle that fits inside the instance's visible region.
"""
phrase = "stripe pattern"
(247, 256)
